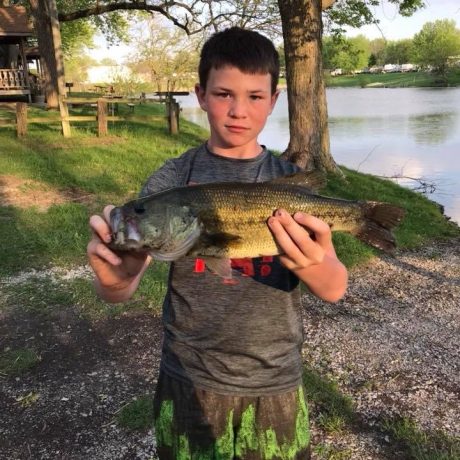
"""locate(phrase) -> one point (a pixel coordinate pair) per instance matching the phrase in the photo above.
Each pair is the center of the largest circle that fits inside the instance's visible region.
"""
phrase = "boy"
(230, 378)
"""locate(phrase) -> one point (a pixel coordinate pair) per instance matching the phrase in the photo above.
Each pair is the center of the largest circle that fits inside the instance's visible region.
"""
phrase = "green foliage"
(348, 54)
(167, 55)
(138, 414)
(356, 13)
(76, 36)
(18, 361)
(398, 52)
(435, 44)
(420, 445)
(334, 409)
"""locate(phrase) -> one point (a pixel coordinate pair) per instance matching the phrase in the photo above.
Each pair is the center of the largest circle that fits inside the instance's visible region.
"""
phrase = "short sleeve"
(163, 178)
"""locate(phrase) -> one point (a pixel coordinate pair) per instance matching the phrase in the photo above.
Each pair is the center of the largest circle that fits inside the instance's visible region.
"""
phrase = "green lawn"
(112, 169)
(96, 171)
(395, 80)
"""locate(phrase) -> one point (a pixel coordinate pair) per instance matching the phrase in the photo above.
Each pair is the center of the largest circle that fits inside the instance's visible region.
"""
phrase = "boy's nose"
(237, 109)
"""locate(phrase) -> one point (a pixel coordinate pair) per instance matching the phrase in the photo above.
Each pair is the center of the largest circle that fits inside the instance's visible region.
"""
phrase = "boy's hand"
(114, 272)
(304, 239)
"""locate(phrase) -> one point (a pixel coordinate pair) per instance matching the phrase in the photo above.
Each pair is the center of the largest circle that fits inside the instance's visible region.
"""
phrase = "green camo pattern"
(248, 438)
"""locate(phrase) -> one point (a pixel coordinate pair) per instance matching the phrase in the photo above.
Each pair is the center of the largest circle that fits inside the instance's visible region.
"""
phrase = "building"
(15, 28)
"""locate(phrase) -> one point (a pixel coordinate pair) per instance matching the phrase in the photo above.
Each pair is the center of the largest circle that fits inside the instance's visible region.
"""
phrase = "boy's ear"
(200, 93)
(274, 99)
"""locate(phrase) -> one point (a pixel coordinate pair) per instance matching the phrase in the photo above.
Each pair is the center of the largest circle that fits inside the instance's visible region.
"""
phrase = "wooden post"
(21, 118)
(102, 128)
(25, 68)
(64, 111)
(173, 116)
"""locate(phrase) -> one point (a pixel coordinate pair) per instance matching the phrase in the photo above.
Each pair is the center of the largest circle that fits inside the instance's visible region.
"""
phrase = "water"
(413, 132)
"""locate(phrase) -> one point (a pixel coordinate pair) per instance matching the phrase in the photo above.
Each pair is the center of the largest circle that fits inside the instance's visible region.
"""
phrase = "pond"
(411, 132)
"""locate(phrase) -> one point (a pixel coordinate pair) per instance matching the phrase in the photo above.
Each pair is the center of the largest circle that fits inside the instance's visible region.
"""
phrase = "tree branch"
(137, 5)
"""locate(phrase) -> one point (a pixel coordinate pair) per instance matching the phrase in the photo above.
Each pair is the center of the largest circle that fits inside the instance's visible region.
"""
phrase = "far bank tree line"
(436, 47)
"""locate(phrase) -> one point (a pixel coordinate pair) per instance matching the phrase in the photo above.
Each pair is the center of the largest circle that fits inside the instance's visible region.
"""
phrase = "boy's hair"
(246, 50)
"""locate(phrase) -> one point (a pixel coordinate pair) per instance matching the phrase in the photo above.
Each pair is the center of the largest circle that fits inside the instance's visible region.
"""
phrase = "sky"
(392, 25)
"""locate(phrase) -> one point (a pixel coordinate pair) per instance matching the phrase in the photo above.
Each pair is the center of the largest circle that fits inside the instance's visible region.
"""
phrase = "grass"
(138, 414)
(18, 361)
(112, 169)
(395, 80)
(412, 232)
(420, 445)
(334, 411)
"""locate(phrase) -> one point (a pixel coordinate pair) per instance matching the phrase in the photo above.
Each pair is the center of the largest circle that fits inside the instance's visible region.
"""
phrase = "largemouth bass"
(229, 220)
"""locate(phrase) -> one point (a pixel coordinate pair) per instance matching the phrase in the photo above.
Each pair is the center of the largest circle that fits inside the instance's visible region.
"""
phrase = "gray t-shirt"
(234, 339)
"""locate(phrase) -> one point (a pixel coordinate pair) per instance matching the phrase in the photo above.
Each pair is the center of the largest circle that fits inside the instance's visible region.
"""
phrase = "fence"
(101, 117)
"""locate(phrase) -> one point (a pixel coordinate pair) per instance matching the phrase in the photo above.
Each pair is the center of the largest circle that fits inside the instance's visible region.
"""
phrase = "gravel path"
(391, 346)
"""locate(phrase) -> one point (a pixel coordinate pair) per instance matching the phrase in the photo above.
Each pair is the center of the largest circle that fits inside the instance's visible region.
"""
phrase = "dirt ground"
(87, 372)
(391, 345)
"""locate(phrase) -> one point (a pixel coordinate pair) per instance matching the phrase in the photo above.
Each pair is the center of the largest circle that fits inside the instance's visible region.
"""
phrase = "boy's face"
(237, 105)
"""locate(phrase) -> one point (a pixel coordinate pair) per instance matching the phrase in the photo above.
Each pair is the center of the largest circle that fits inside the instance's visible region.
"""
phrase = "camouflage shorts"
(196, 424)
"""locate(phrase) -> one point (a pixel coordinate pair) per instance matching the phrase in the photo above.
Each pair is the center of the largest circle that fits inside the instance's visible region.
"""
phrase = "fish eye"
(139, 210)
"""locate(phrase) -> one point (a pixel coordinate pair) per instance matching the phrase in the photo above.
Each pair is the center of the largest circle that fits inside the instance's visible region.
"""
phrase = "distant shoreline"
(395, 80)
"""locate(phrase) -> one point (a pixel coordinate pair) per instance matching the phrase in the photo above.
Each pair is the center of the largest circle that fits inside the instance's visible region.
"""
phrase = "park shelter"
(15, 28)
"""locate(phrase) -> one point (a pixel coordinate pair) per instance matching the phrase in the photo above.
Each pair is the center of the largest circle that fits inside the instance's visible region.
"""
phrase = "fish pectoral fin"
(313, 180)
(221, 267)
(220, 240)
(177, 248)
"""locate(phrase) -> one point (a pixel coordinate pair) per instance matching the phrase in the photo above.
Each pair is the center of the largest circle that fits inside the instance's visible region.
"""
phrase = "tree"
(348, 54)
(302, 32)
(398, 52)
(50, 45)
(435, 44)
(168, 55)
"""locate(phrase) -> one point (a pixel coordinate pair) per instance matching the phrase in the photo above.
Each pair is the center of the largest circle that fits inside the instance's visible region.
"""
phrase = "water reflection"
(433, 128)
(407, 131)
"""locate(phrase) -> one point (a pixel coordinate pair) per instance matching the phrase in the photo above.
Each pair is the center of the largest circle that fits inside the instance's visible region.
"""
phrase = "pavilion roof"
(14, 22)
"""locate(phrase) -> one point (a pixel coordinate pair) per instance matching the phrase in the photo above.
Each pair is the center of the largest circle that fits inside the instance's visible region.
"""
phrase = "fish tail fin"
(379, 221)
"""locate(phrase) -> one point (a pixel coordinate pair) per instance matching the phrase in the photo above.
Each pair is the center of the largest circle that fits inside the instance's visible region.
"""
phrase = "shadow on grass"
(34, 239)
(397, 438)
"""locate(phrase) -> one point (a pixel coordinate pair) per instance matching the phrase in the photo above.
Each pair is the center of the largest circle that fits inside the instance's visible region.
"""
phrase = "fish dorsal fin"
(314, 180)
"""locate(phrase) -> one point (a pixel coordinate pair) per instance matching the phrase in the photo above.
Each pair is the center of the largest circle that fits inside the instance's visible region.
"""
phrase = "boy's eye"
(255, 97)
(223, 94)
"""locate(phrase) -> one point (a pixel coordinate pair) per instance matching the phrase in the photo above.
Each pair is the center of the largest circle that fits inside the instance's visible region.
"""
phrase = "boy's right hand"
(114, 271)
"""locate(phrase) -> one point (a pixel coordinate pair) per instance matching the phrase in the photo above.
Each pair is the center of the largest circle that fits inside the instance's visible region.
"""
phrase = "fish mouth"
(125, 234)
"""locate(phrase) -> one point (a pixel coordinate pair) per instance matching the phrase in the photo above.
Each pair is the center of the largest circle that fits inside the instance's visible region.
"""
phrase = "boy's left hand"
(304, 239)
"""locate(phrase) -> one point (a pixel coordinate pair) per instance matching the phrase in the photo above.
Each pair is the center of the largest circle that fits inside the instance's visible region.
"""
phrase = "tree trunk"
(51, 59)
(309, 136)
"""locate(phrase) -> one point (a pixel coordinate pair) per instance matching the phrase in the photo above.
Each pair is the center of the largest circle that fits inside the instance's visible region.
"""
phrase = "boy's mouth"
(236, 128)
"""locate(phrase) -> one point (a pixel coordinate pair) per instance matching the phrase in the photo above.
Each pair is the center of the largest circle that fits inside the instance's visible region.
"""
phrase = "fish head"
(166, 229)
(137, 224)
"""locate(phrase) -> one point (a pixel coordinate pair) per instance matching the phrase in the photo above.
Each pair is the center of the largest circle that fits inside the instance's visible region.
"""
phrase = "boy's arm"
(313, 260)
(116, 276)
